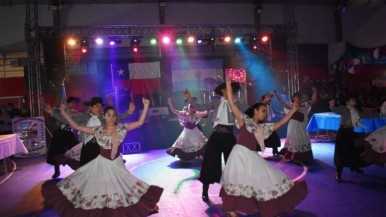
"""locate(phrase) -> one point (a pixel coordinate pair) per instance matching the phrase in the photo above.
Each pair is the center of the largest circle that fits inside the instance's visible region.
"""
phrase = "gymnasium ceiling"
(362, 3)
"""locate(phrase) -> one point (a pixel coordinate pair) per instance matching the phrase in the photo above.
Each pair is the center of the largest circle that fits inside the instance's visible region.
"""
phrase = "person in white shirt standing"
(222, 139)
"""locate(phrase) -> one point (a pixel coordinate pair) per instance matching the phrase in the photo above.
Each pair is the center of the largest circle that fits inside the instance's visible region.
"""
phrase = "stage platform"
(182, 190)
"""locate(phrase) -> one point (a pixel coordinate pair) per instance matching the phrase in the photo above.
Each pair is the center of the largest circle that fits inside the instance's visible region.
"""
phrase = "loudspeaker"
(54, 58)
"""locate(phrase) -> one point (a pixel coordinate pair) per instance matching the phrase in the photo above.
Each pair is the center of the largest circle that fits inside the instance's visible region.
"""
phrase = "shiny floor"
(359, 195)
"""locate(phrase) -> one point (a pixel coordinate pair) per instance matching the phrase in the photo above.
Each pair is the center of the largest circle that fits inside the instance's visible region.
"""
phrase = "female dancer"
(268, 191)
(190, 143)
(297, 146)
(374, 146)
(104, 187)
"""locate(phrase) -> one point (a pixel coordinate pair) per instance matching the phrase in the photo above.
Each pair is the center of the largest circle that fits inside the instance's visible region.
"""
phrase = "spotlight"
(84, 42)
(179, 41)
(226, 38)
(264, 39)
(153, 41)
(99, 41)
(211, 41)
(200, 40)
(253, 40)
(84, 45)
(84, 49)
(135, 48)
(134, 43)
(238, 40)
(166, 39)
(191, 39)
(253, 43)
(114, 41)
(71, 41)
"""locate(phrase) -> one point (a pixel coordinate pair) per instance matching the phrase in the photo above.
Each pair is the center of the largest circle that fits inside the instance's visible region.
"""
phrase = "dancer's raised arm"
(285, 105)
(235, 110)
(286, 118)
(172, 108)
(73, 124)
(314, 97)
(142, 118)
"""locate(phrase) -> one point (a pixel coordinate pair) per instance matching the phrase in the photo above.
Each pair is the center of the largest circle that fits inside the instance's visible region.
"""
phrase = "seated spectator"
(13, 112)
(5, 121)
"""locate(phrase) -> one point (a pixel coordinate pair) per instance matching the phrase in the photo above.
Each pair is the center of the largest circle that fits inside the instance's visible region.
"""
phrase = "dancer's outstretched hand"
(131, 108)
(145, 101)
(187, 94)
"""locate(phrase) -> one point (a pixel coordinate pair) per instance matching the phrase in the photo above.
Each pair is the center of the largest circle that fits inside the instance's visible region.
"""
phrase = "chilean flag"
(145, 78)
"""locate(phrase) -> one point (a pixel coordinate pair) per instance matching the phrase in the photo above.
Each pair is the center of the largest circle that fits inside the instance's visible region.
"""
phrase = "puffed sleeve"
(267, 129)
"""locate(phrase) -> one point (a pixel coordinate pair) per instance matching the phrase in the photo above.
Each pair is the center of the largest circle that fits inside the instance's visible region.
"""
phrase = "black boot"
(57, 172)
(338, 177)
(275, 152)
(205, 196)
(338, 174)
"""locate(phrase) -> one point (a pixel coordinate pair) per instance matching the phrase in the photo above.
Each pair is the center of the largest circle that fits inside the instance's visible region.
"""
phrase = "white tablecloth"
(11, 144)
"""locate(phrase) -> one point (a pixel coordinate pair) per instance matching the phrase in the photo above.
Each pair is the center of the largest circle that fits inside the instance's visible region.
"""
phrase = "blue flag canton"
(120, 71)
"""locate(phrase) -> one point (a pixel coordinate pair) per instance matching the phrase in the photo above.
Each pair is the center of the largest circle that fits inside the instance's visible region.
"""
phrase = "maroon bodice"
(189, 121)
(246, 139)
(190, 125)
(106, 153)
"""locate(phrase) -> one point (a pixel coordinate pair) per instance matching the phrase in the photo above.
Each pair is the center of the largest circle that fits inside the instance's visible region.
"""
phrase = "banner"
(32, 133)
(354, 59)
(197, 74)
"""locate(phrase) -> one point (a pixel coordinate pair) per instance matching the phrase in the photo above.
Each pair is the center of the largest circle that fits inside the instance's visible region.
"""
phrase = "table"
(331, 121)
(10, 144)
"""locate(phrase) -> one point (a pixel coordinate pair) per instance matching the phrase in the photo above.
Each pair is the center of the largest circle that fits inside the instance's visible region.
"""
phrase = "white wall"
(194, 13)
(354, 18)
(117, 14)
(315, 23)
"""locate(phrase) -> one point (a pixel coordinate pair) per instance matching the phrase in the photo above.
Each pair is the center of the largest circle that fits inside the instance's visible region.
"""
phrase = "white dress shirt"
(93, 122)
(222, 113)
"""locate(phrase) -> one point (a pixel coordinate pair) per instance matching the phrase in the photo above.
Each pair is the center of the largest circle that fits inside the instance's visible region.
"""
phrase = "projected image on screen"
(200, 77)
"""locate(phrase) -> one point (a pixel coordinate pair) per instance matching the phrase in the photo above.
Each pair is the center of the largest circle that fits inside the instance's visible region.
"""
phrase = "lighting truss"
(122, 31)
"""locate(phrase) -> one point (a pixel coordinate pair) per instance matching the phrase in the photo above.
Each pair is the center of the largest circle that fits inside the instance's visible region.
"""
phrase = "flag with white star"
(119, 71)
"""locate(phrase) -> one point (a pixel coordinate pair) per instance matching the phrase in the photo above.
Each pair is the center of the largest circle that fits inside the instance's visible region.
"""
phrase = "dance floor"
(359, 195)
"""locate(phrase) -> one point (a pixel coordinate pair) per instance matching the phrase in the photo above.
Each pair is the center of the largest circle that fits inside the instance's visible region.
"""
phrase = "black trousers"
(218, 143)
(273, 141)
(89, 151)
(346, 154)
(62, 141)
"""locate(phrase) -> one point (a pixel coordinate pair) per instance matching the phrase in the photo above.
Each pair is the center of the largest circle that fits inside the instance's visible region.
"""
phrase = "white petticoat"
(190, 140)
(297, 139)
(247, 174)
(102, 183)
(377, 140)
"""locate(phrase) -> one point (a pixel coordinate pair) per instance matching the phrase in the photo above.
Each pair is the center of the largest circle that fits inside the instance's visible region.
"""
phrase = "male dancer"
(64, 137)
(222, 139)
